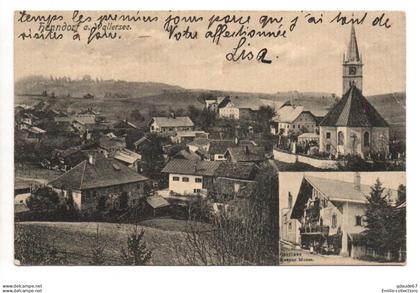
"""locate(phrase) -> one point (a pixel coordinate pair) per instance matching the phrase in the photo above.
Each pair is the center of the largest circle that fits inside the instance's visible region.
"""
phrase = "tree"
(243, 230)
(136, 253)
(264, 116)
(97, 249)
(43, 198)
(399, 233)
(152, 154)
(135, 115)
(33, 248)
(380, 220)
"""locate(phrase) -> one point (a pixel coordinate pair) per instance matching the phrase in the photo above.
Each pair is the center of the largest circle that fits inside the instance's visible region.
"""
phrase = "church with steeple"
(353, 126)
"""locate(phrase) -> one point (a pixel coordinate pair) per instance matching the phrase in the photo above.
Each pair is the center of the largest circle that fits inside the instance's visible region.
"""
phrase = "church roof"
(353, 110)
(352, 49)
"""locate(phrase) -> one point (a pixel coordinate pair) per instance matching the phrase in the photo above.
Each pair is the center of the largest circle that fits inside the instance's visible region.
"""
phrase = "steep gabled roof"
(246, 153)
(220, 146)
(288, 113)
(237, 170)
(188, 167)
(335, 191)
(353, 110)
(103, 173)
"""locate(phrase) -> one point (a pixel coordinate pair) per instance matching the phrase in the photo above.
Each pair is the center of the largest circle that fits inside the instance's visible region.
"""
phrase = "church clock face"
(352, 70)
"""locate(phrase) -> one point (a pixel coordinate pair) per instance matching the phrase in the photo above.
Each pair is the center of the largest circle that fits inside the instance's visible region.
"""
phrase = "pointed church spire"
(352, 49)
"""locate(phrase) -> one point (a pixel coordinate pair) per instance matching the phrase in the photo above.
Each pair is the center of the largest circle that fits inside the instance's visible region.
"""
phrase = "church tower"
(352, 65)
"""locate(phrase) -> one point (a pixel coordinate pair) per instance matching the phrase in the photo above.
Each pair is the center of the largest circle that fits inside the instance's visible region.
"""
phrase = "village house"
(121, 127)
(141, 144)
(293, 119)
(101, 183)
(234, 180)
(187, 177)
(331, 214)
(31, 135)
(108, 146)
(217, 149)
(22, 193)
(228, 110)
(170, 125)
(245, 153)
(212, 103)
(353, 126)
(199, 144)
(86, 117)
(187, 155)
(188, 136)
(129, 158)
(289, 228)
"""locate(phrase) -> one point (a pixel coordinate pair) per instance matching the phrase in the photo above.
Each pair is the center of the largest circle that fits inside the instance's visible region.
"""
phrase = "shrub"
(136, 253)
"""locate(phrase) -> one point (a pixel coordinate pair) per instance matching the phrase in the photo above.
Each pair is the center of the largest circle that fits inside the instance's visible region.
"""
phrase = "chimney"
(91, 159)
(356, 181)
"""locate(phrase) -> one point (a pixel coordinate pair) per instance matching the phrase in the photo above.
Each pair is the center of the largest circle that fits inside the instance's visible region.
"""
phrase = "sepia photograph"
(342, 218)
(164, 138)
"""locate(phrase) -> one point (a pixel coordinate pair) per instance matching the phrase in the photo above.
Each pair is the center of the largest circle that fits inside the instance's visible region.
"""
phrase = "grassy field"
(77, 239)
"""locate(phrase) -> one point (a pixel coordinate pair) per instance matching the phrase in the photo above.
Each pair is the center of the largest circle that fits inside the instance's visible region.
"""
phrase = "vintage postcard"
(342, 218)
(172, 137)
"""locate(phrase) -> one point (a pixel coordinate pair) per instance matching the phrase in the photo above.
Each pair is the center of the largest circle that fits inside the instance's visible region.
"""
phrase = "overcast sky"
(308, 60)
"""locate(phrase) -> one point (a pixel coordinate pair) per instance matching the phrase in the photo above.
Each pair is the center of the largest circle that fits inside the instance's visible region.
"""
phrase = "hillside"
(64, 87)
(117, 99)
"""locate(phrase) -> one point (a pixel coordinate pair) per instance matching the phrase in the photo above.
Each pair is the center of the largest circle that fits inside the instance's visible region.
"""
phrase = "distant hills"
(64, 87)
(119, 97)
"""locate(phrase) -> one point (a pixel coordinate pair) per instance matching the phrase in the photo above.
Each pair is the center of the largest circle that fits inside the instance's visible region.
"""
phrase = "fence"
(290, 158)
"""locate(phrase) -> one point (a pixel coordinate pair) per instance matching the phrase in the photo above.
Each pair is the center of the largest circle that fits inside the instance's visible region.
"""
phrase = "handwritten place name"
(235, 33)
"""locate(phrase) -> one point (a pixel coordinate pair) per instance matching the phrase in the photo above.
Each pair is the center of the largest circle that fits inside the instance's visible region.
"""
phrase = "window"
(175, 178)
(290, 226)
(366, 139)
(340, 138)
(328, 135)
(328, 147)
(334, 221)
(220, 156)
(198, 180)
(185, 179)
(358, 221)
(197, 190)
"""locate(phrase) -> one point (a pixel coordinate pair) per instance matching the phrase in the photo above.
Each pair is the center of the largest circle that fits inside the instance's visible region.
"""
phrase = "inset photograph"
(342, 218)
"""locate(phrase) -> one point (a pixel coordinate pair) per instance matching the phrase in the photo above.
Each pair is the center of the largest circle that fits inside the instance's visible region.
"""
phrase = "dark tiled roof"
(240, 170)
(201, 168)
(104, 172)
(141, 141)
(225, 101)
(353, 110)
(109, 143)
(184, 154)
(246, 154)
(220, 146)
